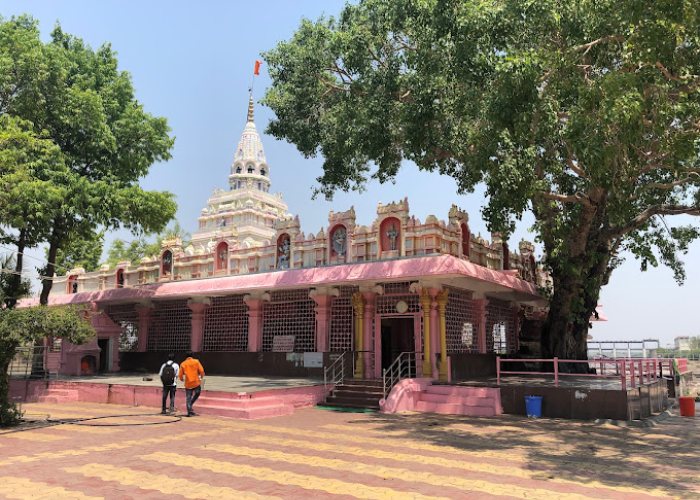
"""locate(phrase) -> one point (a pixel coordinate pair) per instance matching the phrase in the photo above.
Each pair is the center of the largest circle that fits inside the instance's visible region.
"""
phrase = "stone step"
(455, 409)
(366, 382)
(239, 403)
(250, 413)
(355, 400)
(359, 390)
(57, 395)
(351, 405)
(457, 399)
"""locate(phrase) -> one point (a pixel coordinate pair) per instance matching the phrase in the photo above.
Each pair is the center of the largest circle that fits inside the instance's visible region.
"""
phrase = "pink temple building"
(254, 294)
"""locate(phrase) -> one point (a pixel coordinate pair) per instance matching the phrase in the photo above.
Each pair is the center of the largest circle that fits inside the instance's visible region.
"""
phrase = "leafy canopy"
(584, 112)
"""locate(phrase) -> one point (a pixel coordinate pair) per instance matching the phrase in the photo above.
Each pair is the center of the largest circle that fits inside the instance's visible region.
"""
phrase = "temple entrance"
(397, 337)
(103, 344)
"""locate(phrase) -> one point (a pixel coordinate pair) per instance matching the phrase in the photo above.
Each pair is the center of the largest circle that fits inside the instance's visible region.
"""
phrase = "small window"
(250, 169)
(120, 278)
(238, 170)
(262, 171)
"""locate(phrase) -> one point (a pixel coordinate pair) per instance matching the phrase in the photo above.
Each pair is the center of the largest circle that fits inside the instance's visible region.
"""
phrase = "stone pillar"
(370, 307)
(323, 319)
(434, 329)
(197, 338)
(516, 327)
(144, 312)
(255, 323)
(442, 308)
(358, 310)
(425, 304)
(481, 317)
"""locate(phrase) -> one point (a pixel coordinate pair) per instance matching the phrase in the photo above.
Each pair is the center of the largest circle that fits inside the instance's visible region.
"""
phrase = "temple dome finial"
(250, 108)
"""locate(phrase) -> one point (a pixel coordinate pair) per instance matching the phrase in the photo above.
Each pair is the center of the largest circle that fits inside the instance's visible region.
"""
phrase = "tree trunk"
(16, 280)
(49, 271)
(8, 411)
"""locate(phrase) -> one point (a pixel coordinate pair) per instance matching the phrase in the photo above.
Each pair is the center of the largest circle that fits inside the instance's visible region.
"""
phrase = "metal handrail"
(404, 366)
(334, 373)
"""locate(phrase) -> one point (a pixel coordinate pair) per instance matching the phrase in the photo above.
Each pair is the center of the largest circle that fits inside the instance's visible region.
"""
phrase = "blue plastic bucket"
(533, 406)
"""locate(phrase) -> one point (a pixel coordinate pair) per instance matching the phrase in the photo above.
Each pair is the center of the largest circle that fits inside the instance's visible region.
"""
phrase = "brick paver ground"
(320, 454)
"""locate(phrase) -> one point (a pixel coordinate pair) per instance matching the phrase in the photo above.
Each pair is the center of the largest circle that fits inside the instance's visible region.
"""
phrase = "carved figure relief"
(167, 262)
(339, 241)
(283, 251)
(392, 235)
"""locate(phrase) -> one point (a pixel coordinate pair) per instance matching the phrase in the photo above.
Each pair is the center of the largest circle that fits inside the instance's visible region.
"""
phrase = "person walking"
(168, 376)
(192, 372)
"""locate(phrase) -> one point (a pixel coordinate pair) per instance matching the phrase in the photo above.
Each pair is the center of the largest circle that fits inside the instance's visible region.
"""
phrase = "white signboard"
(283, 343)
(313, 360)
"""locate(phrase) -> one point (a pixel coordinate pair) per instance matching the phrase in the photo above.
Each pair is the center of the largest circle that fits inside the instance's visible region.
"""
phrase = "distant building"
(681, 343)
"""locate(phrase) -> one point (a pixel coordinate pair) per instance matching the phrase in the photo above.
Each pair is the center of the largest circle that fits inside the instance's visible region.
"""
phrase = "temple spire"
(250, 108)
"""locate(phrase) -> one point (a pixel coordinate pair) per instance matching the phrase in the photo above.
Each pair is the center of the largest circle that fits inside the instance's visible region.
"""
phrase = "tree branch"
(586, 47)
(650, 212)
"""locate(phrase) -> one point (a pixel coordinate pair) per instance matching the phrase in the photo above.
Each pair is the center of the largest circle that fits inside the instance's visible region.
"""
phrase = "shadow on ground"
(661, 457)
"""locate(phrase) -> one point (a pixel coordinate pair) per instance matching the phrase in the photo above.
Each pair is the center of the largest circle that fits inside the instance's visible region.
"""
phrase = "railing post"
(641, 373)
(633, 380)
(556, 372)
(498, 370)
(623, 374)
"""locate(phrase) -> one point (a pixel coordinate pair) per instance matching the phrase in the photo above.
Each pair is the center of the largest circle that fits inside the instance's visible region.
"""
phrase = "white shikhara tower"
(243, 216)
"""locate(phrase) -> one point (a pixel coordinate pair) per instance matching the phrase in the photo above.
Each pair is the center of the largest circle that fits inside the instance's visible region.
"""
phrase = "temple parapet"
(394, 234)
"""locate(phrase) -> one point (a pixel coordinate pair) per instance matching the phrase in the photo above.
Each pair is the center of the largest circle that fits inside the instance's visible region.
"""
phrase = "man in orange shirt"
(192, 372)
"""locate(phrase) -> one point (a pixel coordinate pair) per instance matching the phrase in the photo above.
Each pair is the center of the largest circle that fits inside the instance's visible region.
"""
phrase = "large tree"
(586, 113)
(79, 100)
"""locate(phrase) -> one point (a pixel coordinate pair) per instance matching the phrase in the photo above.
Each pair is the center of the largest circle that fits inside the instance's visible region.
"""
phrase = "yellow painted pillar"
(358, 306)
(425, 302)
(442, 307)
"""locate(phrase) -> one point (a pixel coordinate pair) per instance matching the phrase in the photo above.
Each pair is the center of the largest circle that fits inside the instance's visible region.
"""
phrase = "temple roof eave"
(491, 282)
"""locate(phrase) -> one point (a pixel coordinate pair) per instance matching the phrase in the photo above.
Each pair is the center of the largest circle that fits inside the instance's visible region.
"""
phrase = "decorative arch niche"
(284, 251)
(72, 284)
(466, 239)
(222, 256)
(506, 256)
(120, 278)
(390, 235)
(339, 242)
(167, 263)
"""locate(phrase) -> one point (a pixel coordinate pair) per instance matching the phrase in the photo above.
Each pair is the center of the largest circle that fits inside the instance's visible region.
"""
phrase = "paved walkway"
(322, 454)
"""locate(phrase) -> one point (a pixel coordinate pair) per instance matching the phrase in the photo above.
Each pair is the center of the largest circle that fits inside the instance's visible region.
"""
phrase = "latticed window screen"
(401, 287)
(171, 326)
(462, 322)
(126, 316)
(386, 304)
(226, 324)
(341, 327)
(500, 327)
(290, 312)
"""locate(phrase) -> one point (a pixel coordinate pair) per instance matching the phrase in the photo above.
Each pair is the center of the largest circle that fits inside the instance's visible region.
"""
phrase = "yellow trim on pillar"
(425, 303)
(358, 307)
(442, 307)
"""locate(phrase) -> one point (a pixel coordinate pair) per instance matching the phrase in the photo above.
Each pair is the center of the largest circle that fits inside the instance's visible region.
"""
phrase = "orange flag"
(256, 71)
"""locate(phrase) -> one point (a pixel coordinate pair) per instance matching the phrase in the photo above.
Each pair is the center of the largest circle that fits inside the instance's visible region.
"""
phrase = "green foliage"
(29, 325)
(140, 248)
(81, 251)
(85, 136)
(584, 112)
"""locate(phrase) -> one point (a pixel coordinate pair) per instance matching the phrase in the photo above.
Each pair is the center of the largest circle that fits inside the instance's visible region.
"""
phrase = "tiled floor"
(320, 454)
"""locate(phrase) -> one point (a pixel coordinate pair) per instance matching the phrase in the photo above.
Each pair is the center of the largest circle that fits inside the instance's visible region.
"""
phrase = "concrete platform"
(234, 397)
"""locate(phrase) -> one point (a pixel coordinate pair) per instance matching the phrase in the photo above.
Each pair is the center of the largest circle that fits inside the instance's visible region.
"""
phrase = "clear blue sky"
(192, 62)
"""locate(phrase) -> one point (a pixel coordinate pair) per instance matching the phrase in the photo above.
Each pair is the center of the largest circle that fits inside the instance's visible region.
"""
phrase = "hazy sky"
(192, 63)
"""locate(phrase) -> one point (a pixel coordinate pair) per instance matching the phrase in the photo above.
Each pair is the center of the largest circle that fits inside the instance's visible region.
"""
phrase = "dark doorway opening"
(397, 337)
(103, 344)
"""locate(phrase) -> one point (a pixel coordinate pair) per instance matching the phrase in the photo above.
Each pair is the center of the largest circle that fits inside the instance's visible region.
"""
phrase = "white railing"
(404, 366)
(334, 373)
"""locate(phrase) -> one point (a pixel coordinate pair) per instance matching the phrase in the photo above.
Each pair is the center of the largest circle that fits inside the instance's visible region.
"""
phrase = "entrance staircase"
(356, 393)
(242, 405)
(460, 400)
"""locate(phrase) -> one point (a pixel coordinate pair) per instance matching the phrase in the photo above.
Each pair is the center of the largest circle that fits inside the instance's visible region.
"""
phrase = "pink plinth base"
(420, 395)
(404, 395)
(268, 403)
